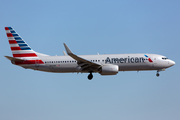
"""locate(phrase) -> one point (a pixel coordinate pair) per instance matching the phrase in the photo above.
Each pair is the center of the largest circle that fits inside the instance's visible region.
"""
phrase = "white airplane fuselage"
(107, 64)
(125, 62)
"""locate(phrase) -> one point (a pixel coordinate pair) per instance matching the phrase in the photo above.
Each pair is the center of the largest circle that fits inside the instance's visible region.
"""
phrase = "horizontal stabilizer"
(14, 59)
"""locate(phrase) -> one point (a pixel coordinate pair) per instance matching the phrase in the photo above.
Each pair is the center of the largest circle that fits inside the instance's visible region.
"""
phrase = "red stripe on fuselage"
(25, 55)
(9, 35)
(15, 48)
(12, 42)
(29, 62)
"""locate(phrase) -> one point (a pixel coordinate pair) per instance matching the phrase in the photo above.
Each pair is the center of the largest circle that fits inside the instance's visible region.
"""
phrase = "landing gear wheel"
(90, 76)
(157, 74)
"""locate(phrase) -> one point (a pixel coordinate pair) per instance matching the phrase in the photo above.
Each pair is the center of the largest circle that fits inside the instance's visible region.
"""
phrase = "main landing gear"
(90, 76)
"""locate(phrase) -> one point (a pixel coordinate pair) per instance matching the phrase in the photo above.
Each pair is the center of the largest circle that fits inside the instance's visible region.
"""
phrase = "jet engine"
(109, 70)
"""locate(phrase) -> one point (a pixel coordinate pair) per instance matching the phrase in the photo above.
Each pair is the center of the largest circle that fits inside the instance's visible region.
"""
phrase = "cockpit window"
(164, 58)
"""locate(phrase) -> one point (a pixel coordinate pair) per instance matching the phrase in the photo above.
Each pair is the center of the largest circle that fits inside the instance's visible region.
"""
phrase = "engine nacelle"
(109, 70)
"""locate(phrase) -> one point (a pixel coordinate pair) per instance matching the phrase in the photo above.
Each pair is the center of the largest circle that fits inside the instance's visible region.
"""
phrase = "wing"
(85, 65)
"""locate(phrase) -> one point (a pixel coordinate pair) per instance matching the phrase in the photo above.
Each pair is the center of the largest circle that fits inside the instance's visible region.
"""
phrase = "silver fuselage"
(126, 62)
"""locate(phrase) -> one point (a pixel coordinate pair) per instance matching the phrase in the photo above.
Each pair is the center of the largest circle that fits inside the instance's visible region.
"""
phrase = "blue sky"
(91, 27)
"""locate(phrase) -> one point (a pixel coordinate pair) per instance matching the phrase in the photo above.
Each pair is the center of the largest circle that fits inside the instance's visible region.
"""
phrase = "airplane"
(106, 64)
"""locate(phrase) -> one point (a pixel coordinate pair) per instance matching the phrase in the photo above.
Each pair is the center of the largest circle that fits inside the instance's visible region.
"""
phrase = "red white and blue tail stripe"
(20, 49)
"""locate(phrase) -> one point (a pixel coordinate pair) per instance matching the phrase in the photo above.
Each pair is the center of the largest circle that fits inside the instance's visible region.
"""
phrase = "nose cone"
(171, 63)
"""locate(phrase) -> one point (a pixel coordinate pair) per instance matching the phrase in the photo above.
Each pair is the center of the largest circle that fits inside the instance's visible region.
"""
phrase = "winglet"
(64, 53)
(67, 49)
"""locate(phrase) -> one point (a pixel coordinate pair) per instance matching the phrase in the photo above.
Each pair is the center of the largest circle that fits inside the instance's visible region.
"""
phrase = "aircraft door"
(154, 62)
(37, 63)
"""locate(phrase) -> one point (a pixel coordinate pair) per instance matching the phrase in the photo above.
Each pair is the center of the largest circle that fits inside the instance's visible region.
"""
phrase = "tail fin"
(21, 51)
(18, 46)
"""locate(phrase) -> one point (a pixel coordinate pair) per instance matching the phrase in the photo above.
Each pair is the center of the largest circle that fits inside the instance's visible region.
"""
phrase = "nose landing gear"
(157, 74)
(90, 76)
